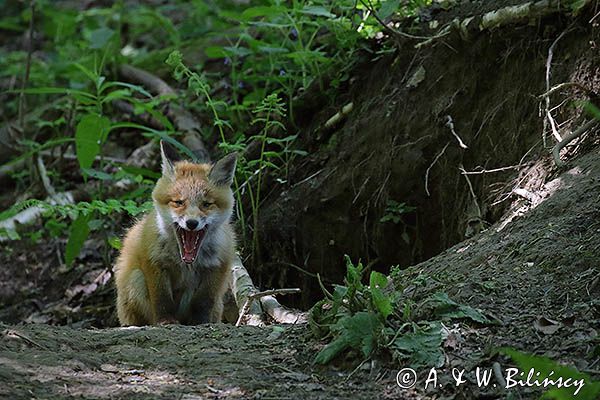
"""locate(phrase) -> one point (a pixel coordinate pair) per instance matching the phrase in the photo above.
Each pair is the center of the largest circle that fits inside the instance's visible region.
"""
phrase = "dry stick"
(498, 374)
(29, 215)
(569, 138)
(549, 118)
(11, 333)
(44, 177)
(431, 166)
(464, 173)
(450, 125)
(259, 295)
(27, 67)
(145, 78)
(564, 85)
(489, 171)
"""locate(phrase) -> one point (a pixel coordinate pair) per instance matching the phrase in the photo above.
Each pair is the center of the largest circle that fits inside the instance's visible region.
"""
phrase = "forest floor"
(538, 276)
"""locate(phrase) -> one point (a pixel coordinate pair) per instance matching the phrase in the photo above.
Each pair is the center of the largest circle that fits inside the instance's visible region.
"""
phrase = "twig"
(44, 177)
(71, 156)
(450, 125)
(27, 67)
(431, 166)
(549, 119)
(145, 78)
(562, 86)
(489, 171)
(308, 178)
(442, 33)
(464, 173)
(11, 333)
(258, 295)
(569, 138)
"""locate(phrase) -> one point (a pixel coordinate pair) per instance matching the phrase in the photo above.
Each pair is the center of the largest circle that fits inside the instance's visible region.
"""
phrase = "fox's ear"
(223, 171)
(169, 156)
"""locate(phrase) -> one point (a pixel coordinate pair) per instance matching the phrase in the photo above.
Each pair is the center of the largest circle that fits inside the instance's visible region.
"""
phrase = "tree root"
(569, 138)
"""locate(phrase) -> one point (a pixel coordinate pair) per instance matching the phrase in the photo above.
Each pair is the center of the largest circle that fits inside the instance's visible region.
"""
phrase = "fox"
(175, 264)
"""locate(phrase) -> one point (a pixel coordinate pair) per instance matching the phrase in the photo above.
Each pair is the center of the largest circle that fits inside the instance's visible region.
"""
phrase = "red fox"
(175, 263)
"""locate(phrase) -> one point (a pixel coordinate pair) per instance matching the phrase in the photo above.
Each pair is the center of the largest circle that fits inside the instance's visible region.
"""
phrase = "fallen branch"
(261, 295)
(30, 214)
(243, 294)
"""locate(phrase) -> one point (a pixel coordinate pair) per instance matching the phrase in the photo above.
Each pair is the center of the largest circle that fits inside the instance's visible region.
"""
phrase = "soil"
(169, 362)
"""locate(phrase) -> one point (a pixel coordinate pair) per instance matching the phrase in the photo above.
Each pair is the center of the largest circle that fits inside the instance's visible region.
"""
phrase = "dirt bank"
(420, 116)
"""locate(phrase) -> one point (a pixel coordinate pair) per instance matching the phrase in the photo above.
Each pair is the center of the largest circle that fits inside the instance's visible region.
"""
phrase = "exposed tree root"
(569, 138)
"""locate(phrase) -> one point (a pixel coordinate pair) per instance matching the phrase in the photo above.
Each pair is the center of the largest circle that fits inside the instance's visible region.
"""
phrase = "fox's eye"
(207, 204)
(178, 203)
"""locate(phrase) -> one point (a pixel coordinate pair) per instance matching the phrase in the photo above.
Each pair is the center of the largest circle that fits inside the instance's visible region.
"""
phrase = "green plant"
(377, 318)
(274, 150)
(394, 211)
(81, 214)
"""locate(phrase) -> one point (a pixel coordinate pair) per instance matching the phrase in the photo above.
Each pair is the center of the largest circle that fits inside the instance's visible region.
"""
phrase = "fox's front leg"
(160, 294)
(207, 304)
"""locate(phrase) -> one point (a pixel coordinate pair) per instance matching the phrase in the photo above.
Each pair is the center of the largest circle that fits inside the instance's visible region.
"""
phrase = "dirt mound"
(387, 185)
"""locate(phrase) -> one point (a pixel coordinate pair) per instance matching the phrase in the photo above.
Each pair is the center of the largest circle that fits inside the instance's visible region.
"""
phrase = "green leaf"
(130, 169)
(388, 8)
(422, 347)
(447, 308)
(263, 11)
(115, 242)
(317, 11)
(358, 332)
(90, 133)
(228, 51)
(103, 176)
(381, 301)
(79, 233)
(100, 37)
(592, 109)
(117, 95)
(55, 90)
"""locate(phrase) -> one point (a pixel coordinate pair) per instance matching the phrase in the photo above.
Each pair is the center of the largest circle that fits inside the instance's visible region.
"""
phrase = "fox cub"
(175, 263)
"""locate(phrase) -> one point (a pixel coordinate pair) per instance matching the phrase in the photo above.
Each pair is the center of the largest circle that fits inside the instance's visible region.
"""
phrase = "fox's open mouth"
(189, 243)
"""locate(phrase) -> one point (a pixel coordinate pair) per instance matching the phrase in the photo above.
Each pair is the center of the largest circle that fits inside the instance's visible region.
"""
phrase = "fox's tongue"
(190, 244)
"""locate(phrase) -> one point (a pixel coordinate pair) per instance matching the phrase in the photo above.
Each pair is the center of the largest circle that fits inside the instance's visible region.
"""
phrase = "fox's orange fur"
(154, 284)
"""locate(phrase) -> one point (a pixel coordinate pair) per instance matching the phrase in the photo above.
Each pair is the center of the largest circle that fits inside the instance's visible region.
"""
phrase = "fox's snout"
(192, 224)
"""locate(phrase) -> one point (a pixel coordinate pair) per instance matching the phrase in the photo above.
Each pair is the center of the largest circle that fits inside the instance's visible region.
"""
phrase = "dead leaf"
(546, 326)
